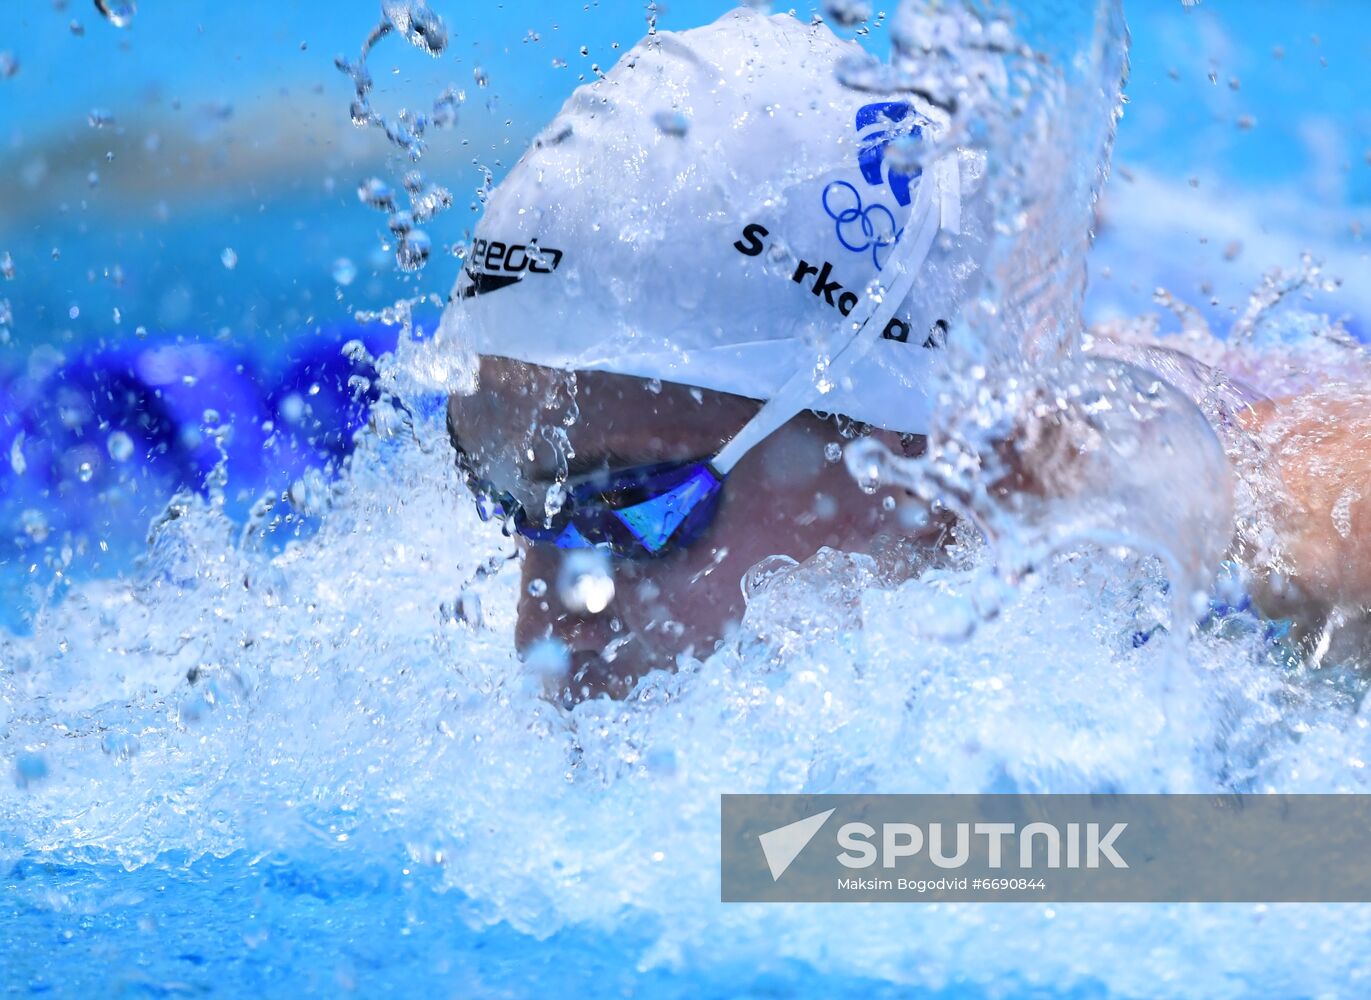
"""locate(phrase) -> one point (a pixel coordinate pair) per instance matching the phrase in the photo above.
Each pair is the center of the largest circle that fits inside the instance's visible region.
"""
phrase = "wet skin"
(525, 427)
(785, 497)
(1321, 449)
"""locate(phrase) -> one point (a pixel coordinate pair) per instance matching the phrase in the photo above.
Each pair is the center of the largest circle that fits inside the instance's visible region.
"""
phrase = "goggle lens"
(635, 513)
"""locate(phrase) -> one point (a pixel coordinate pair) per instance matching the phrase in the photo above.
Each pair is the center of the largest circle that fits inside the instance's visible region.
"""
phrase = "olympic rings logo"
(861, 228)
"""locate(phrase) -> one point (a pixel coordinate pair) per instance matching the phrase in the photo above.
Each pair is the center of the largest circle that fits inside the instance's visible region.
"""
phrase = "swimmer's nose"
(542, 613)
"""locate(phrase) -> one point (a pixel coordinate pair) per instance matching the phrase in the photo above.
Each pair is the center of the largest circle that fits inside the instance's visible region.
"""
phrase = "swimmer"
(650, 294)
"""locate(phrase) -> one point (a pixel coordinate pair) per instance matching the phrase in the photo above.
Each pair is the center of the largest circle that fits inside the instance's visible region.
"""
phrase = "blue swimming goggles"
(640, 512)
(649, 510)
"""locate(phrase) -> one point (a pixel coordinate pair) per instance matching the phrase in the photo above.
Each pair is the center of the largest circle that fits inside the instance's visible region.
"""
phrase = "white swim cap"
(720, 211)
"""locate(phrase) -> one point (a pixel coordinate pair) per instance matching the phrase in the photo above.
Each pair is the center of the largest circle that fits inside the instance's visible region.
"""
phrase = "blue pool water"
(286, 748)
(276, 927)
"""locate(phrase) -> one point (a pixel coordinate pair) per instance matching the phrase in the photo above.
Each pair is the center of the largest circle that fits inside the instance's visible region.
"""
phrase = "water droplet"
(537, 587)
(672, 123)
(93, 179)
(85, 471)
(229, 258)
(905, 154)
(120, 446)
(914, 517)
(412, 252)
(764, 572)
(445, 108)
(100, 117)
(434, 200)
(7, 266)
(833, 451)
(9, 65)
(585, 584)
(76, 28)
(554, 498)
(344, 271)
(311, 494)
(121, 746)
(420, 26)
(17, 461)
(848, 13)
(401, 222)
(376, 193)
(1342, 512)
(29, 769)
(556, 134)
(117, 12)
(547, 658)
(481, 76)
(292, 408)
(35, 524)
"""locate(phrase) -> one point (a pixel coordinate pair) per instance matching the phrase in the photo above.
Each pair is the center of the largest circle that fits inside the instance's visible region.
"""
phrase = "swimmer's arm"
(1321, 449)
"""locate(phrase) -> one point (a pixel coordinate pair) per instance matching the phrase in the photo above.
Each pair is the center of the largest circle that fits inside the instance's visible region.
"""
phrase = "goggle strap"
(798, 392)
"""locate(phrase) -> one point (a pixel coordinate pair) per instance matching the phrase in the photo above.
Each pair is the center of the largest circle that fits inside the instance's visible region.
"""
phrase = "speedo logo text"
(494, 264)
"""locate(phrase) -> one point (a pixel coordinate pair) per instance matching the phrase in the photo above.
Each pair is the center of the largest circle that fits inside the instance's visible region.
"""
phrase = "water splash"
(233, 694)
(672, 123)
(425, 30)
(242, 682)
(376, 193)
(119, 13)
(406, 130)
(344, 271)
(354, 693)
(417, 24)
(413, 249)
(847, 13)
(585, 584)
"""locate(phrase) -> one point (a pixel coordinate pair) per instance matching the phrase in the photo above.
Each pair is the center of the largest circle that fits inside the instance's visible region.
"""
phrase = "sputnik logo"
(784, 844)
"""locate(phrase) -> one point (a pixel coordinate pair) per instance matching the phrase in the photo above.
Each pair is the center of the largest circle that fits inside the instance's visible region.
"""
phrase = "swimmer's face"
(526, 426)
